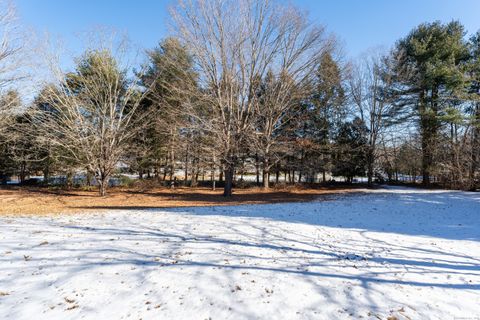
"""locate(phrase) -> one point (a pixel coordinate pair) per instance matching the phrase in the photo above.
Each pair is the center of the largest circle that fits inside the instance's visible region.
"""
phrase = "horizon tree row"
(269, 95)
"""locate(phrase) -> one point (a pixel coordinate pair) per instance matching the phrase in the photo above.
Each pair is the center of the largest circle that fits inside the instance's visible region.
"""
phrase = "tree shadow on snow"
(440, 214)
(251, 246)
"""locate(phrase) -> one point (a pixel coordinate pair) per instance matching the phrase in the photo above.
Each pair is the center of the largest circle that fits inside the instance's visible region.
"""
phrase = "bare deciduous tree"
(368, 86)
(233, 53)
(92, 114)
(12, 44)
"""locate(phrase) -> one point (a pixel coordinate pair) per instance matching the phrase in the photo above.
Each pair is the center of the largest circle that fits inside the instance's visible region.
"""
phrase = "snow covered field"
(398, 253)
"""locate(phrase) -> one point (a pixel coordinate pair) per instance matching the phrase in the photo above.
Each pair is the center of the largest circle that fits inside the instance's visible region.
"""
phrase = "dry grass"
(43, 201)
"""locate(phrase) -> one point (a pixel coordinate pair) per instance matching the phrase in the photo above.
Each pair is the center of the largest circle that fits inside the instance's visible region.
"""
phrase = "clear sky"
(360, 24)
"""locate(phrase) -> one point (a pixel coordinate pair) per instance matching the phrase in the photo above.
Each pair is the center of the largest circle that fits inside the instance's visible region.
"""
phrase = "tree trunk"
(89, 178)
(426, 159)
(172, 165)
(69, 179)
(266, 174)
(475, 148)
(186, 167)
(23, 173)
(194, 173)
(257, 169)
(428, 124)
(212, 177)
(103, 184)
(213, 173)
(193, 181)
(164, 173)
(370, 160)
(229, 170)
(172, 155)
(46, 174)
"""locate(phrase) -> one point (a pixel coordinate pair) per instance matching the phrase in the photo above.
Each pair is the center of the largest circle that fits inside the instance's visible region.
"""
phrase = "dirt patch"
(46, 201)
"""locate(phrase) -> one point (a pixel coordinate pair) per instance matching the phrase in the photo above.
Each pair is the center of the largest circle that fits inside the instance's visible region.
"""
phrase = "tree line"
(269, 95)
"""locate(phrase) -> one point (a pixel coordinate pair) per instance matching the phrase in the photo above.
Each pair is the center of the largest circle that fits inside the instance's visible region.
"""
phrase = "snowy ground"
(403, 253)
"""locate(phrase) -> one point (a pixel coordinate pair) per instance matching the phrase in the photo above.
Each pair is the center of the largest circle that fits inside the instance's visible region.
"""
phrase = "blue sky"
(359, 24)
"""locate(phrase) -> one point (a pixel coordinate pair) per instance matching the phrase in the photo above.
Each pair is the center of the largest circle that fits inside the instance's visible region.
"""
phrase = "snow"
(407, 253)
